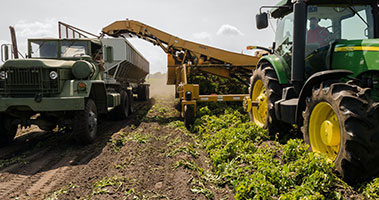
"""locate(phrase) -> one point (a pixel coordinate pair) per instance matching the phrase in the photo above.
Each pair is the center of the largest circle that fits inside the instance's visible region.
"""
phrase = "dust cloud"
(158, 86)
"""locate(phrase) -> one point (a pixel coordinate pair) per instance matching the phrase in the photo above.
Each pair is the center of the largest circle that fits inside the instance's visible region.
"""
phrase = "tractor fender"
(279, 65)
(316, 79)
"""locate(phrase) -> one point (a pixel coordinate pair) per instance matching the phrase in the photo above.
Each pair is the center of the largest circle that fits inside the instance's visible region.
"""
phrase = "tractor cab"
(321, 26)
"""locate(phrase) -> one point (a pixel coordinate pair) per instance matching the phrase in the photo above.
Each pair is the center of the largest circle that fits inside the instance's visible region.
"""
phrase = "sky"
(225, 24)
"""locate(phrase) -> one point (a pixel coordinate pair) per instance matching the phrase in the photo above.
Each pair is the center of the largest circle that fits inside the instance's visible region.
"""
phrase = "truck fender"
(99, 95)
(316, 79)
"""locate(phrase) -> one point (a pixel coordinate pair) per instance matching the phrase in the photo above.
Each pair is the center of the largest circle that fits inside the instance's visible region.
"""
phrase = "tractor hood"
(45, 63)
(356, 55)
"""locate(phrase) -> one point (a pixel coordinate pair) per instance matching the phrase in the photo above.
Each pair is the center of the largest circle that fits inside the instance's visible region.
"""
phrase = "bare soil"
(148, 156)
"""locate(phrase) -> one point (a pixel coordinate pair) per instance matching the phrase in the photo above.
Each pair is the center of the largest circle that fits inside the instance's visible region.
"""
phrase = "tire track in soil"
(45, 167)
(19, 174)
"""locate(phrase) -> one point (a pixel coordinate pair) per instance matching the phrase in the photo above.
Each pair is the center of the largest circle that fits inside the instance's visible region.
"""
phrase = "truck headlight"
(53, 75)
(3, 75)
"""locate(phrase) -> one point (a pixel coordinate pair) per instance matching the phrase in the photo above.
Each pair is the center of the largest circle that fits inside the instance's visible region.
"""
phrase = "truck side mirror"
(4, 52)
(262, 20)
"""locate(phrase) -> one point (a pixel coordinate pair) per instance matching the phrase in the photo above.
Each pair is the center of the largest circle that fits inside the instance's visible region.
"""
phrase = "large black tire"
(358, 118)
(85, 123)
(189, 115)
(143, 92)
(7, 131)
(122, 111)
(265, 73)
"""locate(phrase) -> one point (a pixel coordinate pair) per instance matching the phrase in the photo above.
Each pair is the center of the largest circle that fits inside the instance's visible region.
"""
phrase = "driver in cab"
(316, 33)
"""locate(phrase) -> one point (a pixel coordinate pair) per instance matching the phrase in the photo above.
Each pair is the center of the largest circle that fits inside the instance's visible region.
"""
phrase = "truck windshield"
(73, 49)
(44, 49)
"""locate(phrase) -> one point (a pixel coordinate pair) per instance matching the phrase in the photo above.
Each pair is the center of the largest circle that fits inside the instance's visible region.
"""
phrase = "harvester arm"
(183, 51)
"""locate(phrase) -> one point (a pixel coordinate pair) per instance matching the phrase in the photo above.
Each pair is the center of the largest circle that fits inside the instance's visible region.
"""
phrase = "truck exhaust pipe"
(14, 42)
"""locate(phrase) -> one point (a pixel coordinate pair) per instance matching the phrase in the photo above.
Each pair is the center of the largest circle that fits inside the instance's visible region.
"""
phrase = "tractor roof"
(279, 12)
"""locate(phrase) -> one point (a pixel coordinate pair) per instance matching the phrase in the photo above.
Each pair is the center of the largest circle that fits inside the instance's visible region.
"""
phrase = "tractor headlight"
(3, 75)
(53, 75)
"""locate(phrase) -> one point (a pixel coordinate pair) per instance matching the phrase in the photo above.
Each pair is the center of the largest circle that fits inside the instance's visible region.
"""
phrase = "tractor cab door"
(284, 37)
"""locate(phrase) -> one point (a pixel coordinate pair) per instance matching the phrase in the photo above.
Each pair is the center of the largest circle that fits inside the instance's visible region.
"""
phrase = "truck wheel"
(189, 117)
(143, 92)
(265, 89)
(341, 122)
(7, 131)
(85, 123)
(121, 112)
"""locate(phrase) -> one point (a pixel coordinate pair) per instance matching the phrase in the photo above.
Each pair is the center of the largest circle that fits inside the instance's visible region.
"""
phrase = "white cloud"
(202, 36)
(37, 29)
(229, 30)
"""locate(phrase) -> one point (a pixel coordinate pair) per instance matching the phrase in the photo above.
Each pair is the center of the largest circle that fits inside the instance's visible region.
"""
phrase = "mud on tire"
(358, 117)
(266, 73)
(85, 123)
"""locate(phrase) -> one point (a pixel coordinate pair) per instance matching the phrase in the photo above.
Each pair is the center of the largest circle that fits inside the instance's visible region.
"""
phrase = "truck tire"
(265, 88)
(189, 117)
(143, 92)
(341, 122)
(85, 123)
(122, 111)
(7, 131)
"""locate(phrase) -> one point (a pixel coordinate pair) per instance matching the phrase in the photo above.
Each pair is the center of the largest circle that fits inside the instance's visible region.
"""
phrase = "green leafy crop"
(244, 157)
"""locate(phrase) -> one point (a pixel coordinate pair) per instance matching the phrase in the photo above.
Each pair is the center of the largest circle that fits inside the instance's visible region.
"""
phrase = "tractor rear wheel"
(266, 90)
(341, 122)
(7, 130)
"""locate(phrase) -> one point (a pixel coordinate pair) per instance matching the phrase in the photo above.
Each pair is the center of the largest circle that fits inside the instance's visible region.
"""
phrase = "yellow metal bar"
(227, 97)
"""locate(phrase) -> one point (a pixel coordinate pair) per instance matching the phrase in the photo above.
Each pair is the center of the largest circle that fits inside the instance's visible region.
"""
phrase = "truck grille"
(28, 82)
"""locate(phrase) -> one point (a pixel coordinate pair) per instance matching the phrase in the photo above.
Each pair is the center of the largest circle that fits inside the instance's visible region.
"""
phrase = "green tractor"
(322, 74)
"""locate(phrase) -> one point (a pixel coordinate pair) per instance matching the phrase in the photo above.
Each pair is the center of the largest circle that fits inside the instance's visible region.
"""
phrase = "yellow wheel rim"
(260, 111)
(324, 130)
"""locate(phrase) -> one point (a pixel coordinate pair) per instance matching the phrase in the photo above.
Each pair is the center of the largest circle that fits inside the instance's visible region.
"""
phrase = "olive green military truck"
(69, 83)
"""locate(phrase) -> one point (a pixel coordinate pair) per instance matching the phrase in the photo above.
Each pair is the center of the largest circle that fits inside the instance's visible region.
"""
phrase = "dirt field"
(148, 156)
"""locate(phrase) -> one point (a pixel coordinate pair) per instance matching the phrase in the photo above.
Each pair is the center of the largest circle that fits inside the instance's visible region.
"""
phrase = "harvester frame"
(185, 57)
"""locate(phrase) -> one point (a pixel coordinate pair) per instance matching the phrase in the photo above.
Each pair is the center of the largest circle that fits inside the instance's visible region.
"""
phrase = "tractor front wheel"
(266, 90)
(341, 122)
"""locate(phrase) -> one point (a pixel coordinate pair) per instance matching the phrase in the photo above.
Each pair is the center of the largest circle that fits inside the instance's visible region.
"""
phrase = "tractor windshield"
(326, 24)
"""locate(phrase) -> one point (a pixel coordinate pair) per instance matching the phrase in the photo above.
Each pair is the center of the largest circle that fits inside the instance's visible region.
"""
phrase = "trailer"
(69, 82)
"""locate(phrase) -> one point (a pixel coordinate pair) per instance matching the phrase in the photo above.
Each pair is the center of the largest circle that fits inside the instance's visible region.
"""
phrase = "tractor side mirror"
(262, 20)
